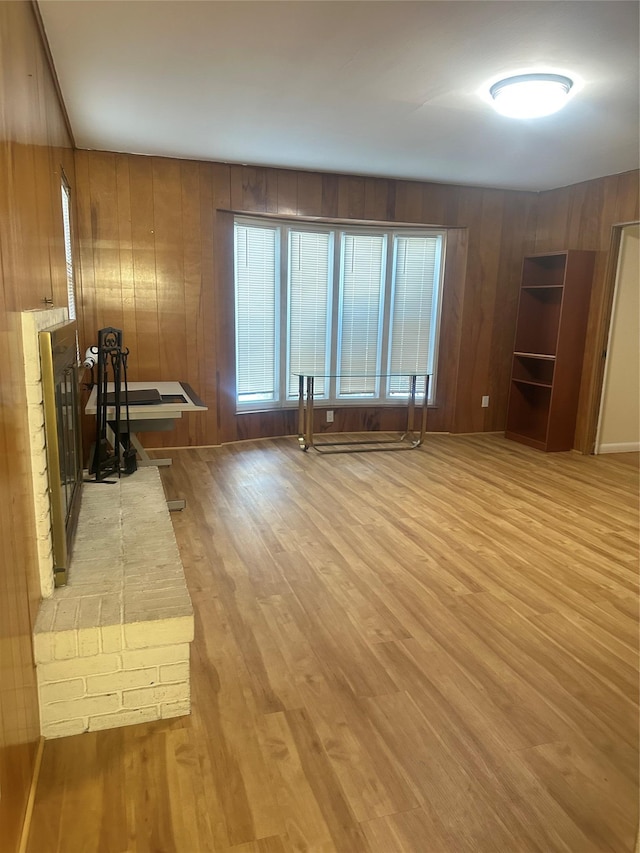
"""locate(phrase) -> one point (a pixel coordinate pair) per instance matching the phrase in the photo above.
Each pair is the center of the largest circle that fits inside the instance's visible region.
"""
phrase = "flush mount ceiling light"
(531, 95)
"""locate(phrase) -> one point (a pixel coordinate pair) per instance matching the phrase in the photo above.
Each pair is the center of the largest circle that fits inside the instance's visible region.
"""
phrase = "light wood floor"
(432, 651)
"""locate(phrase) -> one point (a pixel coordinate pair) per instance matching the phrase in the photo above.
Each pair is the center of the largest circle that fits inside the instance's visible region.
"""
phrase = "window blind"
(362, 292)
(256, 286)
(309, 307)
(68, 253)
(415, 277)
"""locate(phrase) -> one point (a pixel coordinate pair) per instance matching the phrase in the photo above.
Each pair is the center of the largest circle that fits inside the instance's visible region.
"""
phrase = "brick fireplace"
(112, 646)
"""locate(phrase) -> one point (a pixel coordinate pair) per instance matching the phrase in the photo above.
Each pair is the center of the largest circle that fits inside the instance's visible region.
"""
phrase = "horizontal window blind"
(256, 279)
(363, 262)
(309, 307)
(68, 253)
(412, 309)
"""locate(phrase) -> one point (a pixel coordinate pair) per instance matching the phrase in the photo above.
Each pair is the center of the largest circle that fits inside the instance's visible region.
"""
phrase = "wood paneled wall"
(156, 259)
(34, 145)
(581, 217)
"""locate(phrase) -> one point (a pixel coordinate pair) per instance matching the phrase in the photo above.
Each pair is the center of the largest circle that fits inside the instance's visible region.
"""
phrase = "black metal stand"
(106, 461)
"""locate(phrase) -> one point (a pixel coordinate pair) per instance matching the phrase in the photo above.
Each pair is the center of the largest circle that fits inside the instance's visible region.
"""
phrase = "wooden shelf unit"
(549, 349)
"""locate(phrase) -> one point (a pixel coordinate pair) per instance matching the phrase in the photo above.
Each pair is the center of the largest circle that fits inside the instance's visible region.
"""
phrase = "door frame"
(603, 326)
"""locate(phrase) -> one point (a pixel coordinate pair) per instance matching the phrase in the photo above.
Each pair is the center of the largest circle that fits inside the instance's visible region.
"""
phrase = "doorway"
(618, 427)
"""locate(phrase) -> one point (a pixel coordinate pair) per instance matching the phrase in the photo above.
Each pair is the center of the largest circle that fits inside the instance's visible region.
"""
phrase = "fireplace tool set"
(117, 456)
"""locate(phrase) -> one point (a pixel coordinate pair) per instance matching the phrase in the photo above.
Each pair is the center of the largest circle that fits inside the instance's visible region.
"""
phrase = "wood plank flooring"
(433, 651)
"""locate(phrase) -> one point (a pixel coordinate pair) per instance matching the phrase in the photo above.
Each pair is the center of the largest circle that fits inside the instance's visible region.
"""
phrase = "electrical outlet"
(485, 402)
(329, 416)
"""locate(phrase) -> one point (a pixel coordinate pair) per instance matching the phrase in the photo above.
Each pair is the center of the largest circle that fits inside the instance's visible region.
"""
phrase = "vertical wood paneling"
(519, 221)
(215, 303)
(224, 324)
(473, 321)
(105, 239)
(441, 417)
(287, 192)
(87, 303)
(221, 184)
(169, 255)
(581, 217)
(34, 145)
(205, 372)
(193, 319)
(145, 283)
(248, 189)
(481, 288)
(408, 201)
(375, 199)
(197, 317)
(330, 196)
(271, 192)
(433, 204)
(309, 194)
(125, 243)
(627, 195)
(351, 195)
(493, 289)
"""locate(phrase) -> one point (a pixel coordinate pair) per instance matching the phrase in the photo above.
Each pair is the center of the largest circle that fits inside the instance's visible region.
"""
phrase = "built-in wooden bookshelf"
(549, 349)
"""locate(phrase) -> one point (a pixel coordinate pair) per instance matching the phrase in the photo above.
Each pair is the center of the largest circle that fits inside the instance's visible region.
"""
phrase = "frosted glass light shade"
(531, 95)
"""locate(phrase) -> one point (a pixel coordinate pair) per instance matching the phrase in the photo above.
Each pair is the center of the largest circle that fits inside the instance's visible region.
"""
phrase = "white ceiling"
(369, 88)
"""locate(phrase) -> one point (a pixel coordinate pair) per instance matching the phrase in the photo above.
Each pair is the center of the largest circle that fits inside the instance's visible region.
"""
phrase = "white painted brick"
(154, 615)
(78, 668)
(44, 549)
(43, 647)
(89, 615)
(175, 709)
(44, 620)
(40, 488)
(122, 680)
(146, 588)
(123, 718)
(165, 578)
(174, 672)
(36, 434)
(93, 589)
(46, 576)
(153, 598)
(58, 691)
(65, 644)
(155, 695)
(66, 615)
(111, 638)
(34, 392)
(163, 632)
(111, 610)
(87, 707)
(136, 659)
(88, 642)
(65, 728)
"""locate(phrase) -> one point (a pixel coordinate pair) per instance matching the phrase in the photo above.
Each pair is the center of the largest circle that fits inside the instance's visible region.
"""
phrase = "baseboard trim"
(620, 447)
(26, 826)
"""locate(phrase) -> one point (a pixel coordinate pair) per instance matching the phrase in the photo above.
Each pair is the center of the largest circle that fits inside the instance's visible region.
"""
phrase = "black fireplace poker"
(107, 460)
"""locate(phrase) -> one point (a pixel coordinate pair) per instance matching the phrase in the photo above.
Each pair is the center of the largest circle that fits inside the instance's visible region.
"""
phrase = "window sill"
(324, 405)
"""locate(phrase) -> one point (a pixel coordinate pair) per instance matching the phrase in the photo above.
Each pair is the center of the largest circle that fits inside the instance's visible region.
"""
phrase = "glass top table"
(415, 385)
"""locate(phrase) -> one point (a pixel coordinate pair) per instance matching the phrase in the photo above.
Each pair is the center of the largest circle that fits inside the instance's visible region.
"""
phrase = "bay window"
(357, 307)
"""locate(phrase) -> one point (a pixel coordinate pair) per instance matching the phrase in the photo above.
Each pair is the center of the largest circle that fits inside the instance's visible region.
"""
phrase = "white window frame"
(331, 396)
